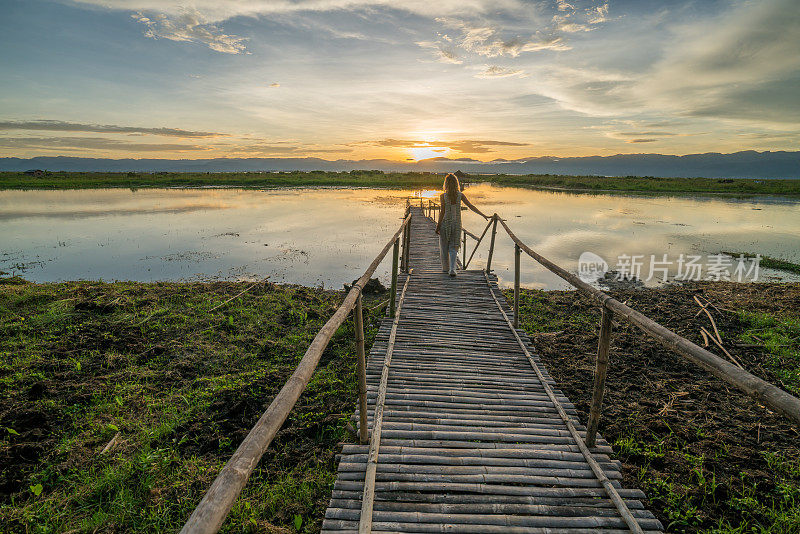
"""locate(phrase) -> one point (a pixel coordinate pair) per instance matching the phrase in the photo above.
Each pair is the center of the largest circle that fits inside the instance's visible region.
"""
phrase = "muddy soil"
(697, 446)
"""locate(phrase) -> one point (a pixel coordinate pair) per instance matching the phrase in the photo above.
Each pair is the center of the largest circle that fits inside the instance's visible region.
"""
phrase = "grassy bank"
(769, 262)
(120, 403)
(709, 458)
(77, 180)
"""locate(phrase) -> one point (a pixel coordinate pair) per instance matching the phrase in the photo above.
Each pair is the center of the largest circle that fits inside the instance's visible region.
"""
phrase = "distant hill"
(746, 164)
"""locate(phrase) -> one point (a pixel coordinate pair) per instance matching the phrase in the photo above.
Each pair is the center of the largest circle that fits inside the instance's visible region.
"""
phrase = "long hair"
(451, 187)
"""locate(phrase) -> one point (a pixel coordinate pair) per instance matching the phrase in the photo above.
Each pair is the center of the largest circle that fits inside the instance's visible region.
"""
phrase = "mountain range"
(745, 164)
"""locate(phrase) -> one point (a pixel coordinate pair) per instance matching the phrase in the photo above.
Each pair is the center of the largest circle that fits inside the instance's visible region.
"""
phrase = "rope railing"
(768, 394)
(209, 515)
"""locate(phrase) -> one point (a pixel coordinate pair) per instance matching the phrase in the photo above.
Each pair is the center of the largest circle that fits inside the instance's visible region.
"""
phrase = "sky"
(398, 80)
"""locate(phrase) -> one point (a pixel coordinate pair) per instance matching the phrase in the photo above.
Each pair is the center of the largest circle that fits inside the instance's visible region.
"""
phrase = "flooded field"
(326, 237)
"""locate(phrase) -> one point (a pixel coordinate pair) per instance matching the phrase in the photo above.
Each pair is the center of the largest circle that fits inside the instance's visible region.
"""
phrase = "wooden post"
(600, 369)
(491, 244)
(403, 265)
(358, 316)
(407, 247)
(516, 285)
(210, 513)
(403, 252)
(393, 295)
(464, 250)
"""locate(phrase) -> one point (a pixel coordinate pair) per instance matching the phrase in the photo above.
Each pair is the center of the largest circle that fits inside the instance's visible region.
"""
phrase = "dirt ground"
(709, 457)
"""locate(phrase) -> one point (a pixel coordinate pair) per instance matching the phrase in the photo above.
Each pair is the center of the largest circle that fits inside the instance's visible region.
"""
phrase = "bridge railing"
(768, 394)
(209, 515)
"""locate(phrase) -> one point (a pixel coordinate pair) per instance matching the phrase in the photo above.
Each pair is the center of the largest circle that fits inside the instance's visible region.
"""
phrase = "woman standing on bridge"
(449, 227)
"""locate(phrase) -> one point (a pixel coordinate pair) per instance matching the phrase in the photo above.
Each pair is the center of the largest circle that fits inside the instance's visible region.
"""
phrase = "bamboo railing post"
(491, 244)
(477, 244)
(601, 367)
(358, 316)
(516, 285)
(393, 295)
(407, 247)
(210, 513)
(404, 243)
(464, 250)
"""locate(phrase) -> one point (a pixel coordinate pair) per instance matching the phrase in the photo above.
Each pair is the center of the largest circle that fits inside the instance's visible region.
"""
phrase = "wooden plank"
(365, 522)
(472, 438)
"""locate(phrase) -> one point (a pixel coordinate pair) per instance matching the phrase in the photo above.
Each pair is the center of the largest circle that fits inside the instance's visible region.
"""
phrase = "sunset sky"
(362, 79)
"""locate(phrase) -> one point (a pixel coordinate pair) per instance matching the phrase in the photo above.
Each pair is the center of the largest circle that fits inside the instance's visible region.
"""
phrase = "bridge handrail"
(209, 515)
(761, 390)
(757, 388)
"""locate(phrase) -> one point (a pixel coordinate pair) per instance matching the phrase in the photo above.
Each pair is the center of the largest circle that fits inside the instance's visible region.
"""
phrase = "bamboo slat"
(466, 436)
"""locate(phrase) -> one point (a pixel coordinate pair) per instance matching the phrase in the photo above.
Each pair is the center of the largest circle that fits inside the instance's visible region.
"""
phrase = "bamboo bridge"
(460, 427)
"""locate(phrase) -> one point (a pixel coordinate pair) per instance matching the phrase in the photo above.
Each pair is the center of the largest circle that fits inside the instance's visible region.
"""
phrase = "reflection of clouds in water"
(73, 214)
(328, 236)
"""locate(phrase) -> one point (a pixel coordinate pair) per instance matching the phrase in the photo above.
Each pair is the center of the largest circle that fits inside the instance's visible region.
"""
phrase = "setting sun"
(425, 152)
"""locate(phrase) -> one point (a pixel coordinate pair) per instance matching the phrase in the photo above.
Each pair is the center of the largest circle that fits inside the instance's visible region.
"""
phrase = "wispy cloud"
(217, 11)
(93, 143)
(467, 146)
(494, 71)
(190, 27)
(489, 41)
(444, 54)
(743, 66)
(62, 126)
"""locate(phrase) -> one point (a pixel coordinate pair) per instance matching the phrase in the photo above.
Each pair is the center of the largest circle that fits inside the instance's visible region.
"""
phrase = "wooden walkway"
(470, 438)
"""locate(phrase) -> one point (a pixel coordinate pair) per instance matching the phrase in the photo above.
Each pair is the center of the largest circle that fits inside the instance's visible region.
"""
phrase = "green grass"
(686, 499)
(780, 337)
(80, 180)
(769, 262)
(710, 463)
(181, 386)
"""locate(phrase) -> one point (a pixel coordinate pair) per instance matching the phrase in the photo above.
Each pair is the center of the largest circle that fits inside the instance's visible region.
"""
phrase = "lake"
(326, 237)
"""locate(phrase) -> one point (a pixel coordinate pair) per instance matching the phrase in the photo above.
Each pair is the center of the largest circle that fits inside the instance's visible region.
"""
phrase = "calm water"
(328, 236)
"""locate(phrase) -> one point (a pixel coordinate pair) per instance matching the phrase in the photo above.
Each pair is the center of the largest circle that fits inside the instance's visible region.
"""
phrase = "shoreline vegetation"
(121, 401)
(769, 262)
(639, 184)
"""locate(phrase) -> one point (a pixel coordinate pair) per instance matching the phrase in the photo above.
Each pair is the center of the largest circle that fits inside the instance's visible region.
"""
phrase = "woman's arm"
(441, 213)
(473, 208)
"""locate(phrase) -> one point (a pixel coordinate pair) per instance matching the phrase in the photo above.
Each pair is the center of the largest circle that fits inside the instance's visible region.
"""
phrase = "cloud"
(92, 143)
(742, 65)
(625, 135)
(487, 36)
(494, 71)
(218, 11)
(443, 53)
(472, 146)
(274, 84)
(641, 140)
(598, 14)
(283, 148)
(190, 27)
(62, 126)
(488, 41)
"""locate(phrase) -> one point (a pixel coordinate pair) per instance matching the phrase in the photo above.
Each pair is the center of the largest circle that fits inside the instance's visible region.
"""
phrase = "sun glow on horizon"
(426, 152)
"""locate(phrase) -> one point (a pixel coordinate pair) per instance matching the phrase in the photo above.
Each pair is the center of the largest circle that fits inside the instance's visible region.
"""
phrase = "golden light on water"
(427, 193)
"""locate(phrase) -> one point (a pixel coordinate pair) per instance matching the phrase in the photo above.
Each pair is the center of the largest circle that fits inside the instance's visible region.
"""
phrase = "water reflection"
(328, 236)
